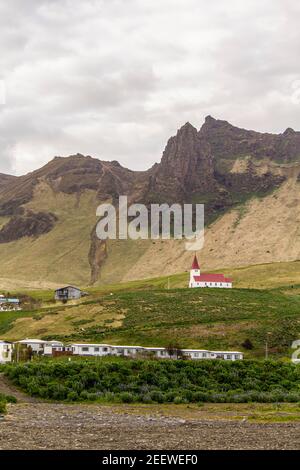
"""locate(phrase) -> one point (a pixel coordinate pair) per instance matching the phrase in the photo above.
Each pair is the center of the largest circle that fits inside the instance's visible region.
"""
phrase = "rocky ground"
(60, 426)
(31, 424)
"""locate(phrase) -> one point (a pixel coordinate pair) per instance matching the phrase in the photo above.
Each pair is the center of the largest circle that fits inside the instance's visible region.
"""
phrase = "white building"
(36, 345)
(83, 349)
(50, 346)
(41, 347)
(207, 280)
(6, 349)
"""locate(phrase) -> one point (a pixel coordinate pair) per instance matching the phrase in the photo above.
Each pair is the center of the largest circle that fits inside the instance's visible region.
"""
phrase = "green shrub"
(2, 407)
(7, 398)
(127, 397)
(168, 381)
(72, 396)
(178, 400)
(146, 398)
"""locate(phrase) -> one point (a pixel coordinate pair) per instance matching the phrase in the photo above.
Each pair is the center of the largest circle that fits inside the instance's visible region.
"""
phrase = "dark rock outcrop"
(29, 224)
(228, 141)
(186, 167)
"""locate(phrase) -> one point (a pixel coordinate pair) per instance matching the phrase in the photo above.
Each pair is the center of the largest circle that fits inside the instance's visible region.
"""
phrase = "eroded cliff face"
(186, 167)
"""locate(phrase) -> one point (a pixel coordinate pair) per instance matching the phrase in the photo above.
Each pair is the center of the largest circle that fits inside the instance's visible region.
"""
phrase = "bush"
(7, 398)
(92, 396)
(4, 399)
(168, 381)
(2, 407)
(157, 396)
(146, 398)
(126, 397)
(72, 396)
(247, 344)
(178, 400)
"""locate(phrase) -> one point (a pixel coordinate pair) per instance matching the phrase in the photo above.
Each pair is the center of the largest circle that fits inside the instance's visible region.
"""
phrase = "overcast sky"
(116, 78)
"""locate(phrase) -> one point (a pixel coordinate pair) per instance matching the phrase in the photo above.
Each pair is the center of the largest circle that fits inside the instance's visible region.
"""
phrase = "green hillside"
(153, 315)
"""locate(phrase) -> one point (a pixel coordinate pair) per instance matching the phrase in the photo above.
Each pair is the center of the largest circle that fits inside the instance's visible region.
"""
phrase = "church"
(207, 280)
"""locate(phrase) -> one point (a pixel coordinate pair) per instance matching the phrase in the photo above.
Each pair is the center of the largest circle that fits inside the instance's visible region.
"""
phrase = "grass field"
(285, 275)
(160, 311)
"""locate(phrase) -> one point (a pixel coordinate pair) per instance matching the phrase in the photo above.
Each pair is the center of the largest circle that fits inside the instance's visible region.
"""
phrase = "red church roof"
(212, 278)
(195, 264)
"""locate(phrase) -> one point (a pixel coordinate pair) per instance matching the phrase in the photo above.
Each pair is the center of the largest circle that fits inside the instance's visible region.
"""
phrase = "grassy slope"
(61, 255)
(260, 276)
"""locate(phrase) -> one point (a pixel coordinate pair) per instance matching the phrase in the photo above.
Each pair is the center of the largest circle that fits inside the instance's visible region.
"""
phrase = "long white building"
(57, 348)
(84, 349)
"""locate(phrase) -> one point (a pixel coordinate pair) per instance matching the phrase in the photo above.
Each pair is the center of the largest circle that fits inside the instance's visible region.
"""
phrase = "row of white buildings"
(56, 348)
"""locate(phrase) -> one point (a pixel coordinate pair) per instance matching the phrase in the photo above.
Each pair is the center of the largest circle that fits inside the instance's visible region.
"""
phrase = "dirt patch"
(8, 389)
(66, 322)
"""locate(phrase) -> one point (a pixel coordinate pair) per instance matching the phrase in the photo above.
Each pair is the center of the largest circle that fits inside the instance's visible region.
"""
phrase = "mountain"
(5, 180)
(249, 182)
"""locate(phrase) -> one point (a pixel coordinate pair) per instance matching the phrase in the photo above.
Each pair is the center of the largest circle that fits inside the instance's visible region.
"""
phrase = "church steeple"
(195, 264)
(195, 271)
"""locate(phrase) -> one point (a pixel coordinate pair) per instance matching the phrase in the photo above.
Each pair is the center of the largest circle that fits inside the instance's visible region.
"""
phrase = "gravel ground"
(31, 424)
(60, 426)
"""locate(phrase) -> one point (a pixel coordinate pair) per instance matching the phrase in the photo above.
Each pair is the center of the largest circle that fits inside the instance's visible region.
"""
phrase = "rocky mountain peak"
(186, 164)
(183, 146)
(187, 128)
(289, 132)
(209, 120)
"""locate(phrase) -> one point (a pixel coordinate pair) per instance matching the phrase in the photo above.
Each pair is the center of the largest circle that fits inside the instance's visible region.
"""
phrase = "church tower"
(195, 271)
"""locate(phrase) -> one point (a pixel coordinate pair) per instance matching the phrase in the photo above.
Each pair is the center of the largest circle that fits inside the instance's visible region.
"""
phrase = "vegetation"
(158, 381)
(4, 399)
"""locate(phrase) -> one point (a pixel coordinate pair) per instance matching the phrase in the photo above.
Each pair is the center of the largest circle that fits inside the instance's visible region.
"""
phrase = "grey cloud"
(115, 79)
